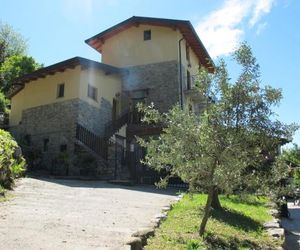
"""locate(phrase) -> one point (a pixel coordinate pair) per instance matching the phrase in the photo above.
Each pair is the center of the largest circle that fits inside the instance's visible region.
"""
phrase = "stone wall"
(53, 122)
(160, 78)
(57, 123)
(95, 119)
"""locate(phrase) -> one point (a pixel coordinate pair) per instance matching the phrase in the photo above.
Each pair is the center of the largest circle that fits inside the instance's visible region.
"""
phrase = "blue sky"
(56, 31)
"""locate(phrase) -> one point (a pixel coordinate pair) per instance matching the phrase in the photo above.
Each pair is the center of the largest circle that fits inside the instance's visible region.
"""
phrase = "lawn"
(238, 226)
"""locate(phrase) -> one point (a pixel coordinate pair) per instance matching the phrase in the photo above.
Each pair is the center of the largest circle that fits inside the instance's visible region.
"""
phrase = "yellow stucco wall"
(128, 47)
(194, 61)
(44, 91)
(107, 85)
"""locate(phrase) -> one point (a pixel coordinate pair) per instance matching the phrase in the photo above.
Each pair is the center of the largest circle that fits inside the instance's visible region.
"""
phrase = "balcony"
(136, 127)
(191, 90)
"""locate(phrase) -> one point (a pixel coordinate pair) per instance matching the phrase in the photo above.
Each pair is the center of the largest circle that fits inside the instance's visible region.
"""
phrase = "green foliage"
(11, 42)
(230, 145)
(296, 177)
(4, 102)
(14, 67)
(292, 156)
(12, 164)
(238, 226)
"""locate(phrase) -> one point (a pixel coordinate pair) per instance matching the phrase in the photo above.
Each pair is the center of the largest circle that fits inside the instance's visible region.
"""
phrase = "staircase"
(113, 126)
(102, 148)
(91, 141)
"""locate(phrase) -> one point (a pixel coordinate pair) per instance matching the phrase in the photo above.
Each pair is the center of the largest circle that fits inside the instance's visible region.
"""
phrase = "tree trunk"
(215, 200)
(206, 211)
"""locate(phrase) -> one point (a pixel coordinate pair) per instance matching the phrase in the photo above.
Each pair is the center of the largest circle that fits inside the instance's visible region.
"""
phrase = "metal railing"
(92, 141)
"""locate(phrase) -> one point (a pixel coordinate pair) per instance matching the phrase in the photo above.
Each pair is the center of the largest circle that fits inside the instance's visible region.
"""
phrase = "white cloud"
(261, 8)
(223, 29)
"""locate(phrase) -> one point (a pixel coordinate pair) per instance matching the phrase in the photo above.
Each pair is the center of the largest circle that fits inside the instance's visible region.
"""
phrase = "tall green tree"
(225, 147)
(11, 42)
(14, 67)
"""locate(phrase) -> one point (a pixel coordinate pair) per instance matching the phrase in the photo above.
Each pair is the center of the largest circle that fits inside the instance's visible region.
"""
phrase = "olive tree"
(225, 147)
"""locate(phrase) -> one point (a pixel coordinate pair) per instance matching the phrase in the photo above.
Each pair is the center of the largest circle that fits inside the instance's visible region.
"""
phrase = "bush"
(12, 164)
(4, 103)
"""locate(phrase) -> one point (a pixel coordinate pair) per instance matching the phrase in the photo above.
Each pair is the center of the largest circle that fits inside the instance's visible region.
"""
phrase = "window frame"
(147, 35)
(188, 80)
(187, 54)
(59, 94)
(92, 92)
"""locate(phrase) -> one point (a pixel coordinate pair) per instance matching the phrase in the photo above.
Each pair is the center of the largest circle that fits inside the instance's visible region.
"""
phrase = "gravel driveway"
(72, 214)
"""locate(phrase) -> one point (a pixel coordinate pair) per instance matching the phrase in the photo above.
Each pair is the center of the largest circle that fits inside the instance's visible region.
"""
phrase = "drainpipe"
(180, 73)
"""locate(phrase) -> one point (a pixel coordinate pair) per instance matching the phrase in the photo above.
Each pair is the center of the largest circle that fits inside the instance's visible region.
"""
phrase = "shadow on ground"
(214, 242)
(292, 227)
(236, 219)
(103, 184)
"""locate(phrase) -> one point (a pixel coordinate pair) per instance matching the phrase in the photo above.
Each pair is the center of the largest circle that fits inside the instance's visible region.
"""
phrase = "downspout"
(180, 74)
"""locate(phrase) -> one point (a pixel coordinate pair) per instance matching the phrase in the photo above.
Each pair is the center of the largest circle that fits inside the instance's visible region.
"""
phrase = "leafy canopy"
(11, 42)
(235, 133)
(14, 67)
(227, 147)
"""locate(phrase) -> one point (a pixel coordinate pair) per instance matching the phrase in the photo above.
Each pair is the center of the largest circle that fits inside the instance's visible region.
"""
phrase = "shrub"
(12, 164)
(4, 103)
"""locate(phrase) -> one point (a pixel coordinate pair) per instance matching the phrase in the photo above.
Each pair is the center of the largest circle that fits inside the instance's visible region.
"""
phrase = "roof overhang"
(19, 83)
(185, 27)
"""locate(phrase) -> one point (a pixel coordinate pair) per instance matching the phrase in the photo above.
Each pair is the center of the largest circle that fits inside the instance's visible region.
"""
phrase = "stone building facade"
(146, 60)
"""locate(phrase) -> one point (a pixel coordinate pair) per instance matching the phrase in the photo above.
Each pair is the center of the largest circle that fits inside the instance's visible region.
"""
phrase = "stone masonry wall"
(160, 78)
(57, 123)
(95, 119)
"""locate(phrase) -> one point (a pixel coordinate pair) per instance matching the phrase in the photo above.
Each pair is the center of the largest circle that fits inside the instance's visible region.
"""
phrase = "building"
(86, 109)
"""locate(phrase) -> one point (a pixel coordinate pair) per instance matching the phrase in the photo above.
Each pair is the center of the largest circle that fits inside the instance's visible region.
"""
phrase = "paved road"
(292, 226)
(68, 214)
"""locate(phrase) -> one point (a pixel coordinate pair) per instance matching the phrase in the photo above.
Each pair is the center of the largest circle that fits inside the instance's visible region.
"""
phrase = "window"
(46, 144)
(147, 35)
(92, 92)
(60, 90)
(63, 148)
(188, 80)
(187, 53)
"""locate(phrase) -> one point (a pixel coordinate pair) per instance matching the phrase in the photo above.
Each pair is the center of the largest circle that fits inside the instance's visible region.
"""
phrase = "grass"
(238, 226)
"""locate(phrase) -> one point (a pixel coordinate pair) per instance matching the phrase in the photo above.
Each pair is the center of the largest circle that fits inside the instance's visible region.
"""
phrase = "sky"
(56, 29)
